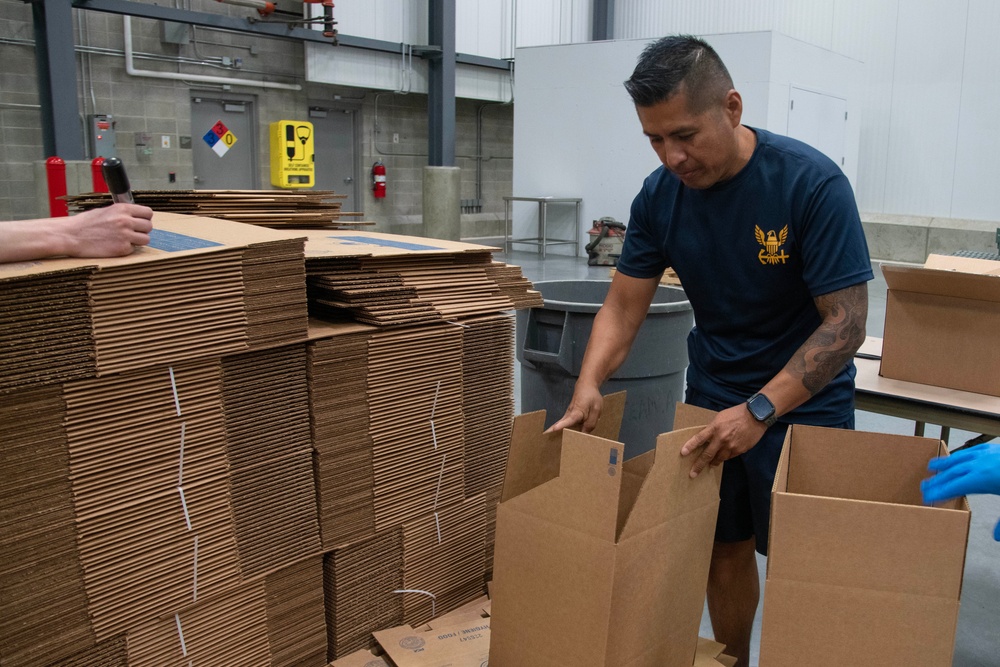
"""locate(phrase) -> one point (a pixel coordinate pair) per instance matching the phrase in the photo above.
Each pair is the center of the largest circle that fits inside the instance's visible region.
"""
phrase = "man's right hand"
(584, 410)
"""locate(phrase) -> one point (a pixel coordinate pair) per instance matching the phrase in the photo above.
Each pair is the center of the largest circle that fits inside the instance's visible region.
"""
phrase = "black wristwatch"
(762, 409)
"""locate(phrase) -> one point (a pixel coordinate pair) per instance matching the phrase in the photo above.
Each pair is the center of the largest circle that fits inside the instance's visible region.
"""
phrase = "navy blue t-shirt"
(752, 253)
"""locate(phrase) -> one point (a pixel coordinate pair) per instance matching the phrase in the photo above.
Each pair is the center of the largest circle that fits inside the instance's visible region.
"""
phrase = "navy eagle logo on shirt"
(772, 243)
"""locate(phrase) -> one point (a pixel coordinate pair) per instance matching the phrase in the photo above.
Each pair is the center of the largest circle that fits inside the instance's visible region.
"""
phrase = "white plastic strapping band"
(414, 590)
(180, 465)
(458, 324)
(437, 390)
(184, 506)
(173, 385)
(434, 435)
(437, 492)
(437, 524)
(180, 633)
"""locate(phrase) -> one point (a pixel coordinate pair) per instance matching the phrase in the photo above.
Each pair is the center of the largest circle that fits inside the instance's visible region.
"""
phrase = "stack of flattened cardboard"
(274, 283)
(181, 297)
(273, 268)
(111, 652)
(44, 610)
(488, 407)
(275, 619)
(45, 323)
(416, 421)
(514, 285)
(265, 397)
(362, 583)
(487, 399)
(338, 381)
(444, 556)
(386, 280)
(228, 628)
(296, 622)
(267, 208)
(147, 455)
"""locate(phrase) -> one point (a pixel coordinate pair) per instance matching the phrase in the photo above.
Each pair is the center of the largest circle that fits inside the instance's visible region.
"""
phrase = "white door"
(224, 143)
(334, 142)
(820, 121)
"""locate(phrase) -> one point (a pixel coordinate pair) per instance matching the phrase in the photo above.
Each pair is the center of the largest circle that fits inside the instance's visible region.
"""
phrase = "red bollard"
(97, 174)
(55, 172)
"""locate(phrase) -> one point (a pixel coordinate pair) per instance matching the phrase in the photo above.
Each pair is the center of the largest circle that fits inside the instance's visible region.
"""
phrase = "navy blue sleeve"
(643, 255)
(832, 243)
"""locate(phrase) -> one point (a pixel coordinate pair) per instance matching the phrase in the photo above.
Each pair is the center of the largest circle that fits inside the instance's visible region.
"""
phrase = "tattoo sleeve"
(835, 341)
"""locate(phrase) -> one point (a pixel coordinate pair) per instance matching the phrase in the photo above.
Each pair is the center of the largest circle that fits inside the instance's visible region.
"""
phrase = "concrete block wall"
(145, 109)
(907, 238)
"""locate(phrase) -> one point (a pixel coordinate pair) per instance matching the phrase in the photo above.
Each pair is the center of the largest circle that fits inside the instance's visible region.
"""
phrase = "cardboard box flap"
(939, 282)
(965, 264)
(668, 492)
(686, 416)
(874, 467)
(584, 495)
(609, 424)
(533, 456)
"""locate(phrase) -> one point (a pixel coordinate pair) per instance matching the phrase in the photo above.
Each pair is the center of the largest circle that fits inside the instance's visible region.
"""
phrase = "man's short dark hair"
(670, 63)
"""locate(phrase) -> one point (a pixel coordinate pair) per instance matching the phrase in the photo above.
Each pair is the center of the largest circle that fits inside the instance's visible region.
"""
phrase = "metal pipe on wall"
(199, 78)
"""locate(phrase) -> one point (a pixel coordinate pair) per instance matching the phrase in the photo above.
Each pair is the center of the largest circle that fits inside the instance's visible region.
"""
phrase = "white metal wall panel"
(808, 20)
(976, 191)
(391, 20)
(483, 28)
(547, 22)
(930, 51)
(866, 31)
(647, 19)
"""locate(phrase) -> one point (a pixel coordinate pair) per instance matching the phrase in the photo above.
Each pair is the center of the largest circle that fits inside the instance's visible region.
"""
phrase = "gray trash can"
(551, 341)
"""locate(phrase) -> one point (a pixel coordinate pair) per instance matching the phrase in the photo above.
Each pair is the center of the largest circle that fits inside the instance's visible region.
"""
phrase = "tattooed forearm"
(836, 339)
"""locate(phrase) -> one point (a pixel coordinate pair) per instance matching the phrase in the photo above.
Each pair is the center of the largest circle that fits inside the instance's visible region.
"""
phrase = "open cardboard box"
(600, 561)
(942, 324)
(860, 572)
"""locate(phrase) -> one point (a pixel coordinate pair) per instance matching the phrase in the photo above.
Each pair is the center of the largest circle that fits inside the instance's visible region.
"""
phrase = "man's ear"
(734, 107)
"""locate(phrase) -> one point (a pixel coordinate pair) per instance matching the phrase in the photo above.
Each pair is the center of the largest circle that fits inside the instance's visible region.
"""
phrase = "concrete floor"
(978, 640)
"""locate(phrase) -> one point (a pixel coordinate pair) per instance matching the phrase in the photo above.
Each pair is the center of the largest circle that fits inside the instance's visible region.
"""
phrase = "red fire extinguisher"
(378, 180)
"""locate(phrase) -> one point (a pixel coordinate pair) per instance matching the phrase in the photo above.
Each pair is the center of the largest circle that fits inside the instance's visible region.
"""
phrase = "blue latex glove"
(973, 470)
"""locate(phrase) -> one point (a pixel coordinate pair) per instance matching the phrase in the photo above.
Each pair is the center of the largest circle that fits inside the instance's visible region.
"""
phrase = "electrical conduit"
(201, 78)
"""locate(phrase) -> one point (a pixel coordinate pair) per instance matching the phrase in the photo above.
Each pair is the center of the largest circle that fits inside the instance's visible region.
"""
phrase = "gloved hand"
(973, 470)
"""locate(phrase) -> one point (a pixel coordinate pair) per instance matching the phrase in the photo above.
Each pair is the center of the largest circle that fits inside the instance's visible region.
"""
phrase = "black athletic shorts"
(745, 495)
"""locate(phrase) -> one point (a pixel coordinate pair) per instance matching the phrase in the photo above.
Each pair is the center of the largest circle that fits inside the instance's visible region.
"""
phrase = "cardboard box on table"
(942, 324)
(599, 561)
(859, 571)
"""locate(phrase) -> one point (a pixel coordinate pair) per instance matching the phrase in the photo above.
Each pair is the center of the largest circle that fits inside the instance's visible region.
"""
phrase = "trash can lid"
(587, 296)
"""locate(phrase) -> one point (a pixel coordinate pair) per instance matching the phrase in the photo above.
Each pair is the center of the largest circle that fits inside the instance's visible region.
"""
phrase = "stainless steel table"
(542, 240)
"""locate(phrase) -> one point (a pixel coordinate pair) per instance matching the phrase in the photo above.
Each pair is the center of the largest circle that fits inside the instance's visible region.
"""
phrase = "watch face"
(760, 407)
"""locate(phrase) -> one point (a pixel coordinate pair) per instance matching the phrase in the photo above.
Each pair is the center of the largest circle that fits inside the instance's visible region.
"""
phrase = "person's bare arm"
(615, 327)
(102, 232)
(814, 364)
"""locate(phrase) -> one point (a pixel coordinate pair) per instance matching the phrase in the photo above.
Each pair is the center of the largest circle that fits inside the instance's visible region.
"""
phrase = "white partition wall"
(576, 133)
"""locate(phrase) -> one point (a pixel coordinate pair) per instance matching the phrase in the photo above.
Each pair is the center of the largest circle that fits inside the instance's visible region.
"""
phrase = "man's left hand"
(732, 432)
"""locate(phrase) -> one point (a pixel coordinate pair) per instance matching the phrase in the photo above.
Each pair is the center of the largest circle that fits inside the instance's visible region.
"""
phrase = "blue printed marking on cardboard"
(386, 243)
(174, 242)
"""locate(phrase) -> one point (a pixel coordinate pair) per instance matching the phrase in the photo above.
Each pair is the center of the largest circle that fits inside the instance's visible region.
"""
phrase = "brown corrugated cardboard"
(599, 561)
(363, 658)
(859, 571)
(465, 643)
(942, 324)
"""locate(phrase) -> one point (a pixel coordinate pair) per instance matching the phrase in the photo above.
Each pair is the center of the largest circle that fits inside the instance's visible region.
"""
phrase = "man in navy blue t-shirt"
(764, 234)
